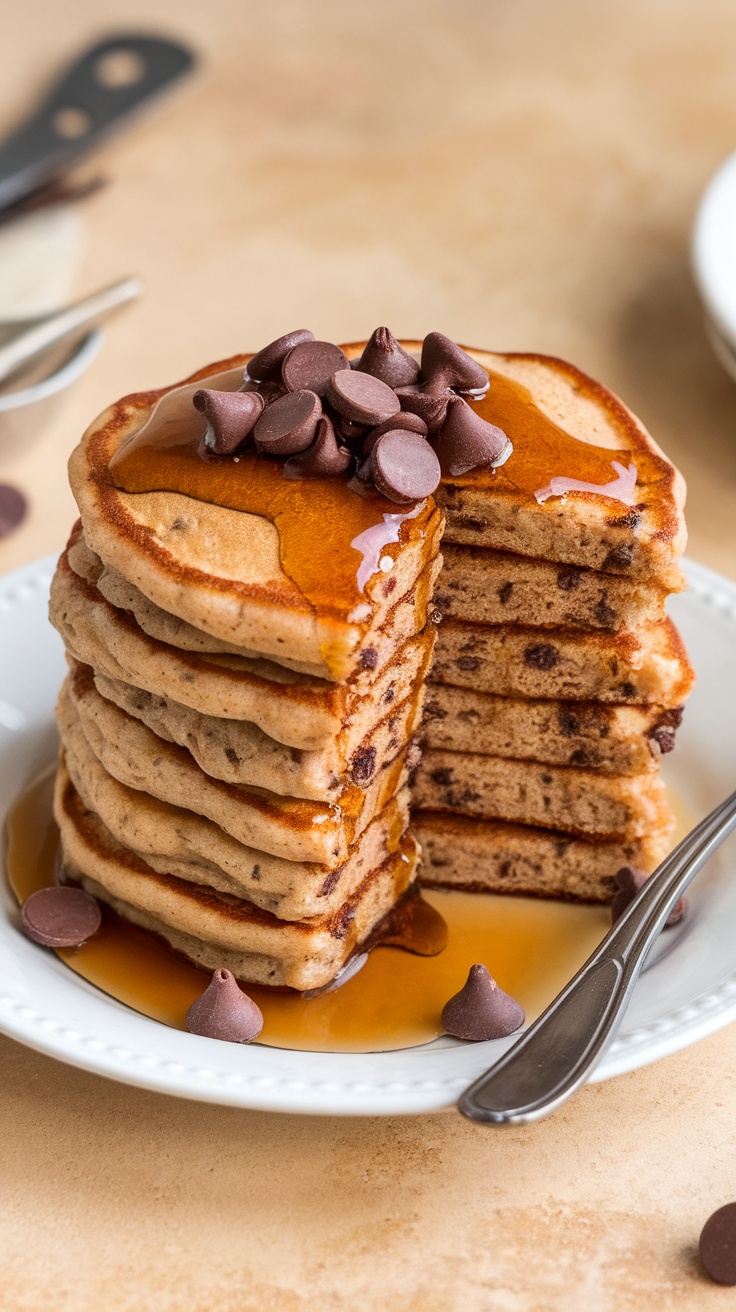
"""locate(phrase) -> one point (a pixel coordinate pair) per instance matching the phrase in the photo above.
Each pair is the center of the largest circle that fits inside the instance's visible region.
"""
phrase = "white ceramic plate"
(687, 991)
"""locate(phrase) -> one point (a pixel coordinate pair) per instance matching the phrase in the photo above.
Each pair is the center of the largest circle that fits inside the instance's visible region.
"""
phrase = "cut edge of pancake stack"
(558, 681)
(250, 811)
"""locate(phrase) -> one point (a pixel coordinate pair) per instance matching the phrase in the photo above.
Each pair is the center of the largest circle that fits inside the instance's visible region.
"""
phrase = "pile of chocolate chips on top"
(387, 419)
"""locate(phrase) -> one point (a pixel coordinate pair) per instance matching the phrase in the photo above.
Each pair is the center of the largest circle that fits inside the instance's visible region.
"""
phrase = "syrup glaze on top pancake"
(238, 550)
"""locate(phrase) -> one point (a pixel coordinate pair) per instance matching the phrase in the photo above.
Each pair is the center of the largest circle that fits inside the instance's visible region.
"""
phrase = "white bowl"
(714, 258)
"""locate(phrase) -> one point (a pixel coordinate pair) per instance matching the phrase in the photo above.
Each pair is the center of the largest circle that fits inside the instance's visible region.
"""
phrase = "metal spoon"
(555, 1056)
(23, 340)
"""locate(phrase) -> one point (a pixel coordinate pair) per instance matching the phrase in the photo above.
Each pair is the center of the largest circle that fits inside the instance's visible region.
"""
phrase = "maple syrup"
(530, 945)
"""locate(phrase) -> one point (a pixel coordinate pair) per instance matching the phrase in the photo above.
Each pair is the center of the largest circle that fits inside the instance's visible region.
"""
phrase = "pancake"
(582, 802)
(639, 542)
(296, 709)
(645, 666)
(405, 619)
(175, 841)
(214, 930)
(222, 569)
(240, 753)
(615, 739)
(496, 587)
(295, 829)
(489, 856)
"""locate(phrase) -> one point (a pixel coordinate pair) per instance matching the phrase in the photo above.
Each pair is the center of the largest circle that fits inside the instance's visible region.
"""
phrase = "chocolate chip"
(60, 917)
(442, 777)
(467, 441)
(13, 509)
(311, 365)
(628, 691)
(568, 578)
(481, 1010)
(432, 409)
(627, 882)
(662, 740)
(629, 519)
(362, 397)
(504, 592)
(368, 658)
(619, 557)
(604, 614)
(468, 663)
(289, 424)
(443, 358)
(265, 365)
(230, 416)
(404, 467)
(345, 428)
(362, 764)
(542, 656)
(568, 720)
(384, 358)
(323, 459)
(717, 1245)
(225, 1012)
(410, 423)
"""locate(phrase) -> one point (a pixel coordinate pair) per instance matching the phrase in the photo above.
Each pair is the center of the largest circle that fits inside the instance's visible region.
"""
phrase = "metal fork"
(555, 1056)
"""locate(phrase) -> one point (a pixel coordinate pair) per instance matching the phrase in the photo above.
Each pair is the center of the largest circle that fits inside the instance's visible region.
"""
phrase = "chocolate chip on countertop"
(265, 365)
(311, 365)
(230, 416)
(444, 359)
(60, 917)
(384, 358)
(288, 425)
(323, 459)
(225, 1012)
(481, 1010)
(627, 882)
(13, 509)
(717, 1246)
(404, 467)
(467, 441)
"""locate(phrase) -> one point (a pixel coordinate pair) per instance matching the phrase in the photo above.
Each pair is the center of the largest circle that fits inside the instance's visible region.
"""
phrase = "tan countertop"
(521, 176)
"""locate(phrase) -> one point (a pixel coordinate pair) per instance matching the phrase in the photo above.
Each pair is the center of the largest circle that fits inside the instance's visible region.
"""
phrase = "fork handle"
(555, 1056)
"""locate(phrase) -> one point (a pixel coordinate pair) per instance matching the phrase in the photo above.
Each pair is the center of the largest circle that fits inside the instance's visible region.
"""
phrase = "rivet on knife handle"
(94, 97)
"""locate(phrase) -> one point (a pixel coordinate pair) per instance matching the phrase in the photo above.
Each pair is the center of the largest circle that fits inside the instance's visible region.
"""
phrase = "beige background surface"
(523, 176)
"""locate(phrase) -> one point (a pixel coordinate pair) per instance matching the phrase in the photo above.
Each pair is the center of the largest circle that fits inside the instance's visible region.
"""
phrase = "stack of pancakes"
(557, 681)
(238, 799)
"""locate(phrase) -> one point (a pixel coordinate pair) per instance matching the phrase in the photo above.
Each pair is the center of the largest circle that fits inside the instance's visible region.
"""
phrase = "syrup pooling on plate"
(317, 519)
(530, 945)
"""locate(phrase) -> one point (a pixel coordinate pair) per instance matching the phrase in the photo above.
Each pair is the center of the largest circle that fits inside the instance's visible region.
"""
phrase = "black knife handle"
(93, 97)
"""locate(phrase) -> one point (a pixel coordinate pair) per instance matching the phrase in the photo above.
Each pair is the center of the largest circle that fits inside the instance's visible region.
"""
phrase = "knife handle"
(94, 96)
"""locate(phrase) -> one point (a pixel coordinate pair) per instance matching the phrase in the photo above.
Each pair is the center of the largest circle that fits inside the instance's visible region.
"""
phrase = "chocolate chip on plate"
(60, 917)
(311, 365)
(362, 397)
(225, 1012)
(627, 882)
(265, 365)
(230, 416)
(385, 358)
(288, 424)
(13, 509)
(717, 1246)
(481, 1010)
(404, 467)
(444, 359)
(323, 459)
(467, 441)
